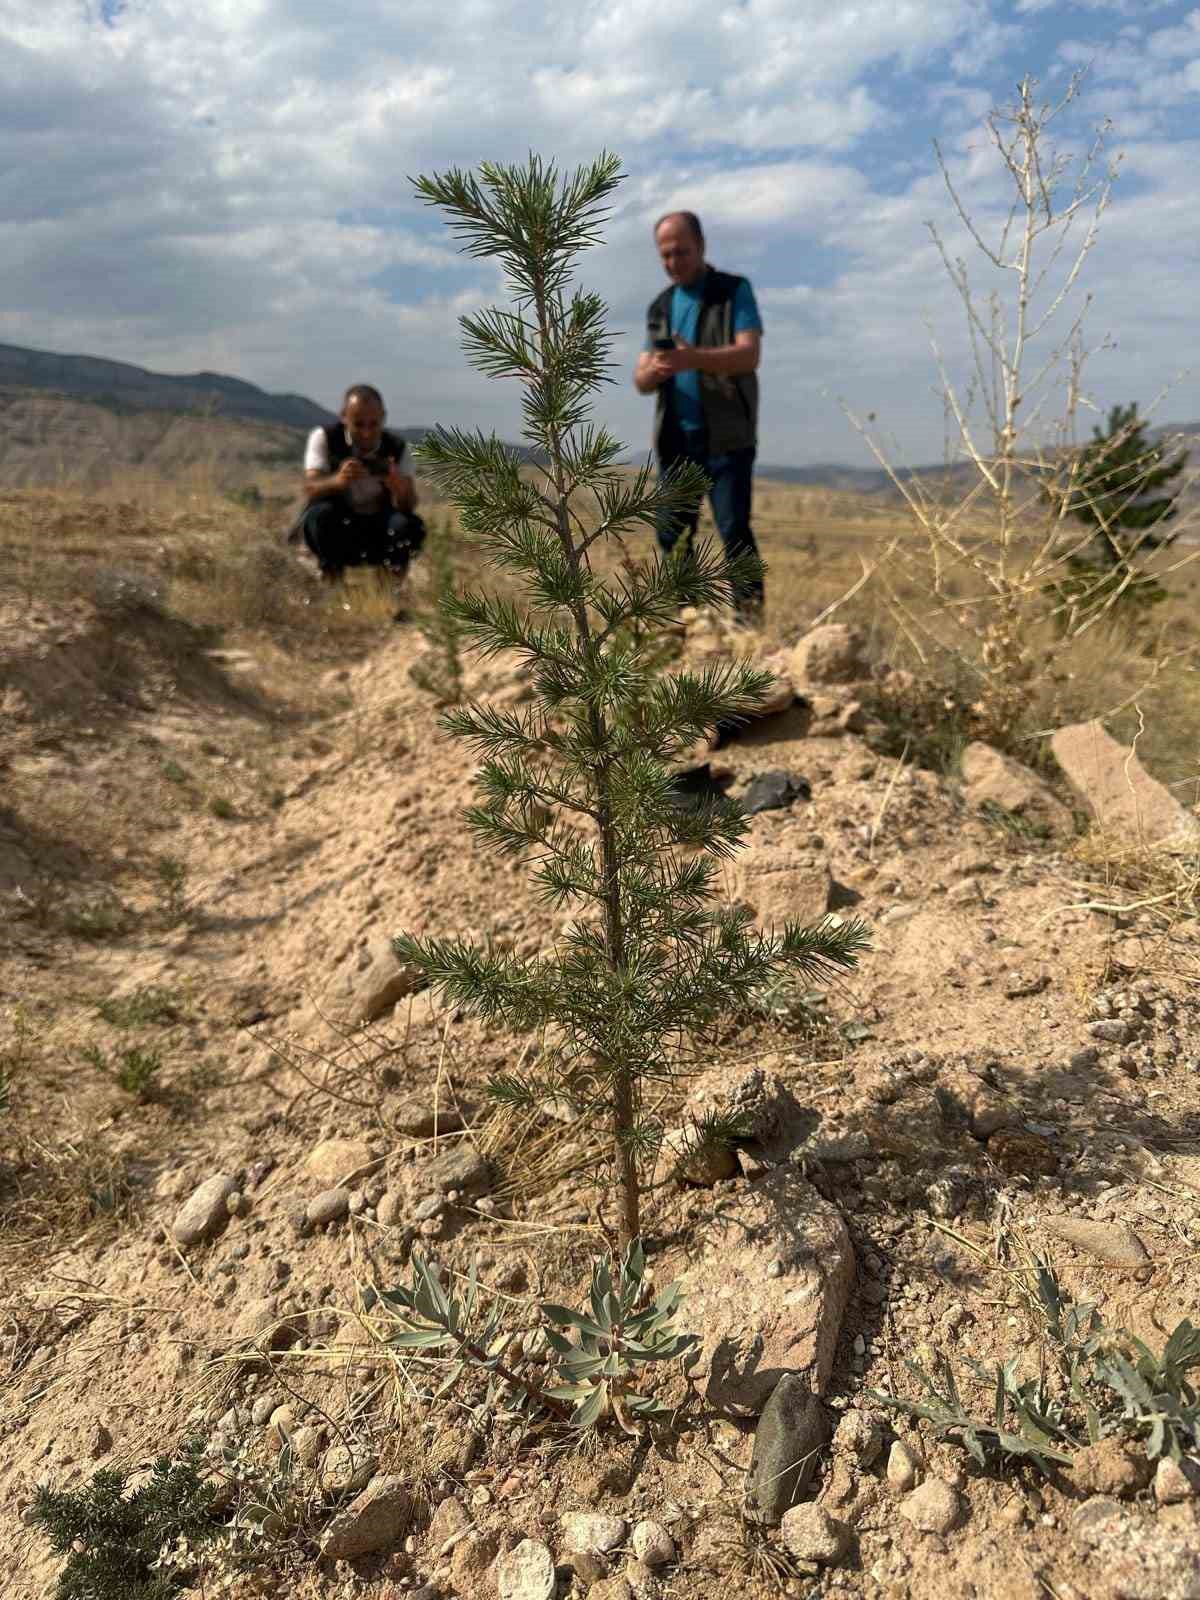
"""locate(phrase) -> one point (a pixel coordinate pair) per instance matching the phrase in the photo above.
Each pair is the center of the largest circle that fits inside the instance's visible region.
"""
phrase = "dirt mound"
(1005, 1056)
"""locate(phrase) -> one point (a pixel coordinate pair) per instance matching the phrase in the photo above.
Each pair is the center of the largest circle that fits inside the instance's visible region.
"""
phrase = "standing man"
(703, 341)
(361, 497)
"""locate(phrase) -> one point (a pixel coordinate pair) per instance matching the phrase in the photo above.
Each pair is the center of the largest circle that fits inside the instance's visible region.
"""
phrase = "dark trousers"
(732, 478)
(339, 539)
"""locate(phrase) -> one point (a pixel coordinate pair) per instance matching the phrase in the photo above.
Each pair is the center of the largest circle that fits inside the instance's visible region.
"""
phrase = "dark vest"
(730, 404)
(391, 446)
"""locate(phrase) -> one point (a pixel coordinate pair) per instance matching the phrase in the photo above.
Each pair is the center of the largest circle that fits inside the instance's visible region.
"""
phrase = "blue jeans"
(732, 482)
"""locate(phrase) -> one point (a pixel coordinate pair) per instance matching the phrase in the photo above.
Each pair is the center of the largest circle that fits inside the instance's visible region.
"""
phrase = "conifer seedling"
(578, 782)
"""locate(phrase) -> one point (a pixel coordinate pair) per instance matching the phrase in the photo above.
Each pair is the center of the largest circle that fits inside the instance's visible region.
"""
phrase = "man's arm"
(323, 485)
(402, 489)
(721, 361)
(645, 375)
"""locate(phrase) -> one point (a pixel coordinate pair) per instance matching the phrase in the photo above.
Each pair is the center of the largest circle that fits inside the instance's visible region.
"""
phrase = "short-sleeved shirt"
(686, 304)
(365, 496)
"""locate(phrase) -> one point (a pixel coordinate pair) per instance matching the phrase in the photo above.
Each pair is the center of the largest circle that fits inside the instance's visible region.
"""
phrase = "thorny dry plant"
(989, 555)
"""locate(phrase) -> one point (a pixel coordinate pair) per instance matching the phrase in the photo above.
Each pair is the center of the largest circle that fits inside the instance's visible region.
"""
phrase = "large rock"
(993, 779)
(1135, 1557)
(787, 1449)
(1109, 1242)
(461, 1167)
(526, 1573)
(334, 1162)
(593, 1531)
(380, 983)
(754, 1327)
(763, 1104)
(811, 1534)
(781, 885)
(377, 1520)
(205, 1212)
(1120, 793)
(830, 654)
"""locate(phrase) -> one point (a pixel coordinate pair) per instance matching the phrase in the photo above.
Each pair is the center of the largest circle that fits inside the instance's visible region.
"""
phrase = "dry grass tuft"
(59, 1192)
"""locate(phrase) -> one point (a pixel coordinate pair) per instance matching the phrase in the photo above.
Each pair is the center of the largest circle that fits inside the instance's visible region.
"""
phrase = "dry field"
(220, 791)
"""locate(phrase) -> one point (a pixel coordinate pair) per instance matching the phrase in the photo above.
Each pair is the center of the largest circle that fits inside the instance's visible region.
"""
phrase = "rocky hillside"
(121, 386)
(234, 1119)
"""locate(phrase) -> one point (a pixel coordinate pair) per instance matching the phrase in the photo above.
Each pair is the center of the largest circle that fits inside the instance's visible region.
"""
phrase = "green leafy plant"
(105, 917)
(599, 1354)
(144, 1007)
(136, 1071)
(171, 876)
(1093, 1382)
(579, 781)
(1120, 485)
(114, 1540)
(222, 807)
(434, 1318)
(618, 1335)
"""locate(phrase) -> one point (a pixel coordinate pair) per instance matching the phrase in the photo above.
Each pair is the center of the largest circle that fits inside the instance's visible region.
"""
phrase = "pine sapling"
(578, 782)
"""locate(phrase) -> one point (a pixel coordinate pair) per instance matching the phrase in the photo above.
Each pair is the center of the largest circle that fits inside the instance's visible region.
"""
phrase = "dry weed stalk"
(990, 562)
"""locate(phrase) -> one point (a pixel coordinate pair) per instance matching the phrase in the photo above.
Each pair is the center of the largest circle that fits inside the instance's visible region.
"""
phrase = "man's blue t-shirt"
(685, 321)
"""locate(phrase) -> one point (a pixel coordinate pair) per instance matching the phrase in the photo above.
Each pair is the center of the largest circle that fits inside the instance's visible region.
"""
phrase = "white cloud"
(223, 183)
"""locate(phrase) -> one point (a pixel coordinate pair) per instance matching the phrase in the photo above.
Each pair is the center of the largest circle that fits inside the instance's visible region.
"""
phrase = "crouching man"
(361, 498)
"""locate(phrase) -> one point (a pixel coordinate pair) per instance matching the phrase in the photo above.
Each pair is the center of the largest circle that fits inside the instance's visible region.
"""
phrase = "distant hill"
(121, 386)
(124, 415)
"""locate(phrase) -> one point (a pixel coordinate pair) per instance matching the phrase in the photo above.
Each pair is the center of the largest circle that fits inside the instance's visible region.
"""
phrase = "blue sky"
(222, 184)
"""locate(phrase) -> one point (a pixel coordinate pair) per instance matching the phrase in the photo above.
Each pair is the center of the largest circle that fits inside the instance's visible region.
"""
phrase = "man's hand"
(666, 363)
(401, 488)
(348, 471)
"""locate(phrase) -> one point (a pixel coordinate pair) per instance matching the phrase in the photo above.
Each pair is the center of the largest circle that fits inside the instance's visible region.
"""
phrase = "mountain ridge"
(122, 386)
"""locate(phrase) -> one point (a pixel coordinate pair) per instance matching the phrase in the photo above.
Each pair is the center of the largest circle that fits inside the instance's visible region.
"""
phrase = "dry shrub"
(1127, 875)
(58, 1191)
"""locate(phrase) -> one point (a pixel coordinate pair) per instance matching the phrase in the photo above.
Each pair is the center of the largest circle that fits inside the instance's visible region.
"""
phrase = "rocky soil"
(1014, 1067)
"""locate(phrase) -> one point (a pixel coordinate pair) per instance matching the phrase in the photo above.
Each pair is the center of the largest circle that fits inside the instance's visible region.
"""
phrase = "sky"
(224, 185)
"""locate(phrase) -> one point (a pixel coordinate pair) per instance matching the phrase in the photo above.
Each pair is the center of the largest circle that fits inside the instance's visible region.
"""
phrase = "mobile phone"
(664, 344)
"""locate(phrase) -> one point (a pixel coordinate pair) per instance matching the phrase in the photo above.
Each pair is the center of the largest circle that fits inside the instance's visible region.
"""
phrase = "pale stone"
(992, 778)
(205, 1212)
(933, 1508)
(1109, 1242)
(385, 980)
(753, 1327)
(526, 1573)
(594, 1531)
(811, 1534)
(377, 1520)
(1118, 790)
(830, 654)
(334, 1162)
(344, 1469)
(1175, 1482)
(902, 1467)
(652, 1544)
(780, 884)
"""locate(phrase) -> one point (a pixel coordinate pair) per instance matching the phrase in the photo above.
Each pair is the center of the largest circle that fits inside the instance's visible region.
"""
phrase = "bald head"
(680, 241)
